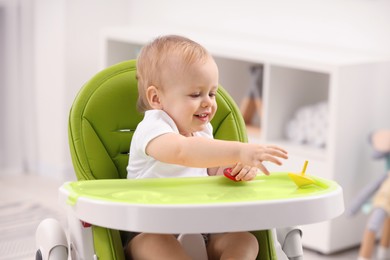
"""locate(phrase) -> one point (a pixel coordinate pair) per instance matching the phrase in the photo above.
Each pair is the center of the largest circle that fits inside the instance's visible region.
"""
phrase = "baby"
(177, 84)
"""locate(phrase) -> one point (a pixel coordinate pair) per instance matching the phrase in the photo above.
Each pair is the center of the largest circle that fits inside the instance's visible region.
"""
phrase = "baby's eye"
(212, 94)
(195, 95)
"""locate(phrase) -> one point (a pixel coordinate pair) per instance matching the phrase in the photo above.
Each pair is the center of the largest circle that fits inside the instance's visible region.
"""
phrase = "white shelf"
(249, 48)
(295, 74)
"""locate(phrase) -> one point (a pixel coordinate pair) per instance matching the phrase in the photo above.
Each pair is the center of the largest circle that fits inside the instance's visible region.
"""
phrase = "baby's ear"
(153, 97)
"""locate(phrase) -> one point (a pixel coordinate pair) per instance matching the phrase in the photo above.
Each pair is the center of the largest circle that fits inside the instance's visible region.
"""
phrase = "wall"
(10, 143)
(49, 84)
(353, 24)
(66, 53)
(2, 81)
(48, 50)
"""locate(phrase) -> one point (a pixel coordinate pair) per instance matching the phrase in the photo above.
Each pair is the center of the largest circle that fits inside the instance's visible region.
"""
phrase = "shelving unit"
(296, 75)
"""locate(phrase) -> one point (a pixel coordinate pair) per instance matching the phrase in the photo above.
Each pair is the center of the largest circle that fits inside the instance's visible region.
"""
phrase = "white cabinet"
(356, 87)
(350, 91)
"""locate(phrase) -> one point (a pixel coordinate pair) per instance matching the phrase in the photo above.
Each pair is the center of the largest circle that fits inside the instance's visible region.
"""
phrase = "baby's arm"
(207, 153)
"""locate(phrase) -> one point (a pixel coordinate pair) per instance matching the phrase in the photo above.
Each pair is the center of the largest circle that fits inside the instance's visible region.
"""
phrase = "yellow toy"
(301, 179)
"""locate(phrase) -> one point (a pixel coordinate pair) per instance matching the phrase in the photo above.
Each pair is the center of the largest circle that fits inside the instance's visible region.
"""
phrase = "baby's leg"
(155, 246)
(383, 251)
(374, 224)
(239, 245)
(385, 239)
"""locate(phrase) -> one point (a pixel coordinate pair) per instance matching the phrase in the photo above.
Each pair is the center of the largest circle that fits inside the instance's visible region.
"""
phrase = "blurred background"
(48, 49)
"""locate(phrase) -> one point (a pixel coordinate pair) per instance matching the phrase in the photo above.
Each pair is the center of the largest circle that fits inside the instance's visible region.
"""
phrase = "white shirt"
(141, 165)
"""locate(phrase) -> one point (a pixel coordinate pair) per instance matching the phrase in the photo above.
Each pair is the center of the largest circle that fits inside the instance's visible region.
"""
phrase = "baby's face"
(189, 96)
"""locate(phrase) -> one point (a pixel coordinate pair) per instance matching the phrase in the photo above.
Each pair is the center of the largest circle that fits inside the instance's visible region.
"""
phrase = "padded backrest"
(104, 116)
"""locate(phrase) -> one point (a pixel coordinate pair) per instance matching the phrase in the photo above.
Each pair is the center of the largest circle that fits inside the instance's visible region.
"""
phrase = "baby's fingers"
(236, 169)
(247, 173)
(252, 173)
(272, 159)
(276, 151)
(263, 169)
(277, 148)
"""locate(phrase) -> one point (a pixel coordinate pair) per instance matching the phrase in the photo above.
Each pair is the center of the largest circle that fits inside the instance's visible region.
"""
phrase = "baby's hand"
(244, 173)
(254, 155)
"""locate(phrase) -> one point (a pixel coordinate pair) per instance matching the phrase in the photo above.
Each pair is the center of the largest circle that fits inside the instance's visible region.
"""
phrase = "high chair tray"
(203, 204)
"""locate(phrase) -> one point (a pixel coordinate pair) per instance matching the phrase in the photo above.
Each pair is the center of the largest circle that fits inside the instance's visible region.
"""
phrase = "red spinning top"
(227, 172)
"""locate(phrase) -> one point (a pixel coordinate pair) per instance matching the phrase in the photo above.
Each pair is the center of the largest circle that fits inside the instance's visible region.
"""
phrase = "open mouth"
(204, 115)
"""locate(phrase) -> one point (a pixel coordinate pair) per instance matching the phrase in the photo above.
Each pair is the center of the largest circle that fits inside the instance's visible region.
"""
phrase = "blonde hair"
(171, 50)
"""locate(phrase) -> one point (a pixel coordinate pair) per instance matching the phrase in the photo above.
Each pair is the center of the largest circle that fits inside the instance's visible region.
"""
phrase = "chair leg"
(291, 241)
(51, 241)
(194, 245)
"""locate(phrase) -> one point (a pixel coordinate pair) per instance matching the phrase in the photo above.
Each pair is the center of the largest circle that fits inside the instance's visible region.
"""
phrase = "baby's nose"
(206, 102)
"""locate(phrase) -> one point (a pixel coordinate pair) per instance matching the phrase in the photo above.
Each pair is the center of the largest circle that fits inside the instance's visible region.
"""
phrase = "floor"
(38, 197)
(24, 202)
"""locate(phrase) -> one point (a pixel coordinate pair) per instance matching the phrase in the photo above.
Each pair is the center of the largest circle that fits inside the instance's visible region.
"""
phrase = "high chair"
(101, 124)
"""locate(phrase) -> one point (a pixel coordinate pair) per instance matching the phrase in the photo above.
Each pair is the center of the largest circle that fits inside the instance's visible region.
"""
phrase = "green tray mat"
(196, 190)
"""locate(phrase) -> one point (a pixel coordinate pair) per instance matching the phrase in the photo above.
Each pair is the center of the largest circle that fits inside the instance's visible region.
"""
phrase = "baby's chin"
(191, 133)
